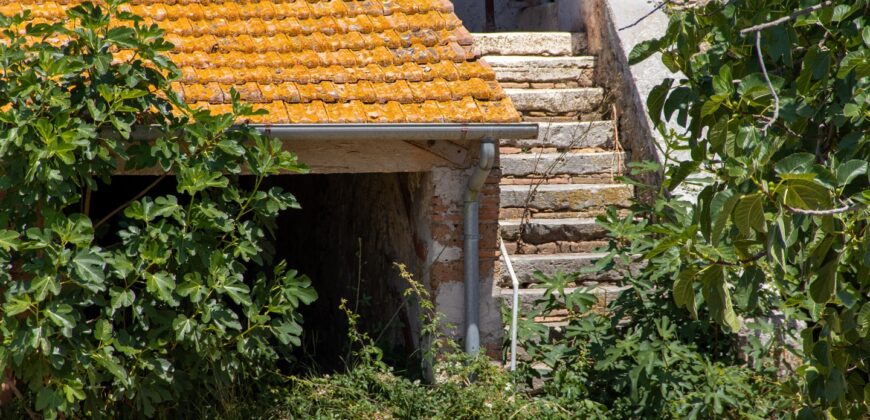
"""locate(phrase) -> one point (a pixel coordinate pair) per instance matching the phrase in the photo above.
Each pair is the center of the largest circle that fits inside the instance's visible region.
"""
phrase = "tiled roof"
(323, 61)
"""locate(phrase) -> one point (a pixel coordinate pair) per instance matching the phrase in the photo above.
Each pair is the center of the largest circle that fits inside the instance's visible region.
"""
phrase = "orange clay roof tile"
(423, 112)
(307, 113)
(319, 61)
(384, 113)
(346, 112)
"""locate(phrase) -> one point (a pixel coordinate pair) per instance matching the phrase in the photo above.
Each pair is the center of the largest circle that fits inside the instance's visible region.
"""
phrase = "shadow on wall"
(520, 15)
(473, 13)
(349, 232)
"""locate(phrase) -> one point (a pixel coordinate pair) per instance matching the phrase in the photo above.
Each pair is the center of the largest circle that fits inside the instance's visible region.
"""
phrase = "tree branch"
(10, 383)
(828, 212)
(127, 204)
(769, 84)
(753, 258)
(656, 9)
(784, 19)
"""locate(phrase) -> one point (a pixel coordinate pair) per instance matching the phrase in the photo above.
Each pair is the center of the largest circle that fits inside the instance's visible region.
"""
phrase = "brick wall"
(445, 251)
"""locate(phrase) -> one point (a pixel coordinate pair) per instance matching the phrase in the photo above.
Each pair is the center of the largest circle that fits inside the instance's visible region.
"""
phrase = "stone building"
(400, 113)
(388, 105)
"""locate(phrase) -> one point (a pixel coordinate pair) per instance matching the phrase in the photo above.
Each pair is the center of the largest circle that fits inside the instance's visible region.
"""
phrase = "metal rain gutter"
(379, 132)
(401, 132)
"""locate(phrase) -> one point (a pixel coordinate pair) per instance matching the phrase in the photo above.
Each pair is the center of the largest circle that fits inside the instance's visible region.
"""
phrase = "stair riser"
(564, 136)
(530, 43)
(528, 297)
(570, 197)
(525, 266)
(551, 248)
(526, 164)
(552, 231)
(575, 70)
(567, 102)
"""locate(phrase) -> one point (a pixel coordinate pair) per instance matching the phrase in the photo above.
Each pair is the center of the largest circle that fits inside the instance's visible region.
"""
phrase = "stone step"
(569, 135)
(525, 265)
(529, 43)
(563, 102)
(539, 231)
(525, 164)
(558, 247)
(567, 197)
(533, 69)
(528, 297)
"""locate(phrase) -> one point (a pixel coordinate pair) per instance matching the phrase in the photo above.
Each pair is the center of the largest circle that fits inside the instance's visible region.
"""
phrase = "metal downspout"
(471, 254)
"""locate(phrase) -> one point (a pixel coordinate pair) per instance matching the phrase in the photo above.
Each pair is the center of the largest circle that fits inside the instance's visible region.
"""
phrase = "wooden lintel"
(327, 157)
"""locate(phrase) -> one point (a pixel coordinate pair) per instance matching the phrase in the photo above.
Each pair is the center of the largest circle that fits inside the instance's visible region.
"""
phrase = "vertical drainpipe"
(471, 254)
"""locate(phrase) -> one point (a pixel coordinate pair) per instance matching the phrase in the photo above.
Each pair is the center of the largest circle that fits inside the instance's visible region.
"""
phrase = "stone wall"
(629, 86)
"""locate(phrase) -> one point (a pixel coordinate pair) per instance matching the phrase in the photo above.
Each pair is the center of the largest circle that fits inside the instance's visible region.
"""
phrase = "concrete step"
(533, 69)
(561, 102)
(525, 265)
(525, 164)
(569, 135)
(530, 43)
(567, 197)
(539, 231)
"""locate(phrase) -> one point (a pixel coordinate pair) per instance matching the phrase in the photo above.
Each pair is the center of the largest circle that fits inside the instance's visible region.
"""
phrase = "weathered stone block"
(558, 163)
(544, 72)
(558, 101)
(568, 135)
(568, 197)
(538, 231)
(525, 265)
(529, 43)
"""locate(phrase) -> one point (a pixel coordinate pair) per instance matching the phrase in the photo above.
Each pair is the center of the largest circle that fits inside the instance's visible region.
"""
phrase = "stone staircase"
(553, 187)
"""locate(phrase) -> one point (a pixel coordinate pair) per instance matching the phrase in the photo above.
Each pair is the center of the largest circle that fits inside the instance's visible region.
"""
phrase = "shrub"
(465, 387)
(165, 298)
(641, 356)
(773, 110)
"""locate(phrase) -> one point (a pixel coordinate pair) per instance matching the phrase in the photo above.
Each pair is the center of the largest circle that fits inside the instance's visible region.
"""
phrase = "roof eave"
(384, 132)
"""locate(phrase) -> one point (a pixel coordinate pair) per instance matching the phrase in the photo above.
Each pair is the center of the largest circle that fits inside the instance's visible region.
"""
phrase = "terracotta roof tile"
(307, 113)
(318, 61)
(381, 113)
(210, 92)
(427, 111)
(466, 109)
(436, 89)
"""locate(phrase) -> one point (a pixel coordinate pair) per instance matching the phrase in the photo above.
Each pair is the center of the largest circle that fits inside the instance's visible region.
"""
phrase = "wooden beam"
(449, 151)
(349, 156)
(325, 157)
